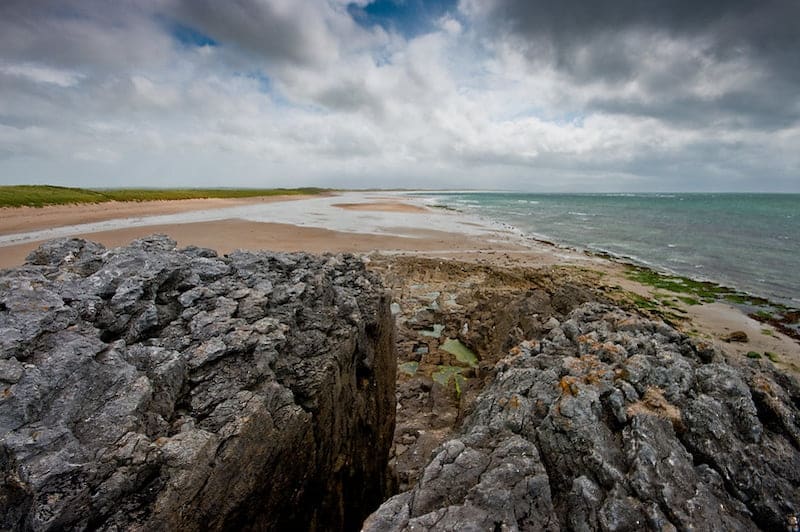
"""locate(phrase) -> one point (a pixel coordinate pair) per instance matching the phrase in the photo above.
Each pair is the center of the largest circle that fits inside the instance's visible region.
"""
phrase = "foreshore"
(378, 224)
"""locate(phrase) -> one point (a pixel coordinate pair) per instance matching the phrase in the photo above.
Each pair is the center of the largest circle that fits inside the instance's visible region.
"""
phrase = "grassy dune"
(41, 195)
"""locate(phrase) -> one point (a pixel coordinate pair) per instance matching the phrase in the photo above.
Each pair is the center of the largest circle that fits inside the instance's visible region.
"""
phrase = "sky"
(529, 95)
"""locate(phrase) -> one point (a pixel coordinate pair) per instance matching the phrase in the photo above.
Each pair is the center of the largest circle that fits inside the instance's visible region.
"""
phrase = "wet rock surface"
(151, 388)
(604, 420)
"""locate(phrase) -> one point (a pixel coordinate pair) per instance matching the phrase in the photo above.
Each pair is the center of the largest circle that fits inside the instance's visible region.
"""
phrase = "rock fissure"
(226, 371)
(187, 415)
(629, 427)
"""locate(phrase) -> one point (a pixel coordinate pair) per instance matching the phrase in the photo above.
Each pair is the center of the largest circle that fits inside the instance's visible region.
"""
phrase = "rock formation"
(614, 422)
(487, 308)
(150, 388)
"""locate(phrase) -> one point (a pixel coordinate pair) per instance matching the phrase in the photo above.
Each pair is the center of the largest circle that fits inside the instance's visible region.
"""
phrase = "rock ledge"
(614, 422)
(152, 388)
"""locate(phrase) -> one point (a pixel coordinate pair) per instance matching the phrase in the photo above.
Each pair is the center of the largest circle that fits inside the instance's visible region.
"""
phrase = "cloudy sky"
(535, 95)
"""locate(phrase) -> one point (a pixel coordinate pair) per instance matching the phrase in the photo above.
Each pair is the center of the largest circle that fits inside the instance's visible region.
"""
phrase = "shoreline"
(402, 225)
(782, 315)
(15, 220)
(658, 265)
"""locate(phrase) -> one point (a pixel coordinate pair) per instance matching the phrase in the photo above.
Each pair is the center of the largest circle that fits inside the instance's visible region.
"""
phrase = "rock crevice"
(148, 387)
(614, 422)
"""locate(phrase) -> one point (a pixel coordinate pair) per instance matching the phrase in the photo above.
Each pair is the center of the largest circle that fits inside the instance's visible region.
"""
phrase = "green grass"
(41, 195)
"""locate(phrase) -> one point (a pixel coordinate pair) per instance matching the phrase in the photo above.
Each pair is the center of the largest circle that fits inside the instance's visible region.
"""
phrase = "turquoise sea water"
(746, 241)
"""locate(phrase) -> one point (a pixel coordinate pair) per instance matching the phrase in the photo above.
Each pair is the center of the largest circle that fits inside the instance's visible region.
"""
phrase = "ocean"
(750, 242)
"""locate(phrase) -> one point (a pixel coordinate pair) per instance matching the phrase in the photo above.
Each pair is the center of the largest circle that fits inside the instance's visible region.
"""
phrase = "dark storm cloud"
(272, 32)
(765, 27)
(89, 34)
(618, 42)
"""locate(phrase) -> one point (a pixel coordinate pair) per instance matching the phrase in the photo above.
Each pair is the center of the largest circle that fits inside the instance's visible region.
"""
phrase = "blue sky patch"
(189, 36)
(265, 83)
(408, 17)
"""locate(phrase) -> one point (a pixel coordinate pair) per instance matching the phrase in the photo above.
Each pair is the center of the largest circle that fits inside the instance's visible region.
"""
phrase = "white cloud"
(326, 101)
(42, 74)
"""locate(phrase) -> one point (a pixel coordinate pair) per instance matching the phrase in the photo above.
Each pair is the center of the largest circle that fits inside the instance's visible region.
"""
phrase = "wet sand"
(382, 206)
(24, 219)
(228, 235)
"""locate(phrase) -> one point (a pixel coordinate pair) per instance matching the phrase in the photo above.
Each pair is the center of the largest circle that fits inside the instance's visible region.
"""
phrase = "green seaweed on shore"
(644, 303)
(772, 356)
(697, 292)
(753, 354)
(739, 298)
(664, 310)
(704, 290)
(462, 353)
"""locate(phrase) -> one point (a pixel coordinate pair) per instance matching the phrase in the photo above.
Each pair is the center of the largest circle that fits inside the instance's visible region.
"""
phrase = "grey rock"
(150, 388)
(614, 422)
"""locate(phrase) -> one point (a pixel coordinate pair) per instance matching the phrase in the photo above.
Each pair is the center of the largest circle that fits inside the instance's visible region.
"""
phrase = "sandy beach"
(372, 224)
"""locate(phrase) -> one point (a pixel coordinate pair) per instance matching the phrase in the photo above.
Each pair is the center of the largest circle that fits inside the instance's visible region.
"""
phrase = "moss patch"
(462, 353)
(445, 374)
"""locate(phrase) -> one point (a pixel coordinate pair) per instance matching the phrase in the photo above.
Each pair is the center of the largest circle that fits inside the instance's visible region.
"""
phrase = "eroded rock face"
(151, 388)
(487, 309)
(614, 422)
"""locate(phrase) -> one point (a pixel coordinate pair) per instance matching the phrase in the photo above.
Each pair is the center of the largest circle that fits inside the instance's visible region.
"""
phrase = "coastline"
(688, 235)
(387, 225)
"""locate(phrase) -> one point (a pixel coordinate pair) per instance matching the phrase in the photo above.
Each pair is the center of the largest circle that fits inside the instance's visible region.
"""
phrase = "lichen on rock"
(610, 421)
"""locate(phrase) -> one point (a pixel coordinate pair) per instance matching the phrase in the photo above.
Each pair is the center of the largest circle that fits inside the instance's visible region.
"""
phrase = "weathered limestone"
(150, 388)
(614, 422)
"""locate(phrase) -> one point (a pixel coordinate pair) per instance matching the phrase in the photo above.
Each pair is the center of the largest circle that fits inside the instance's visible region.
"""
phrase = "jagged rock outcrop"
(150, 388)
(614, 422)
(489, 310)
